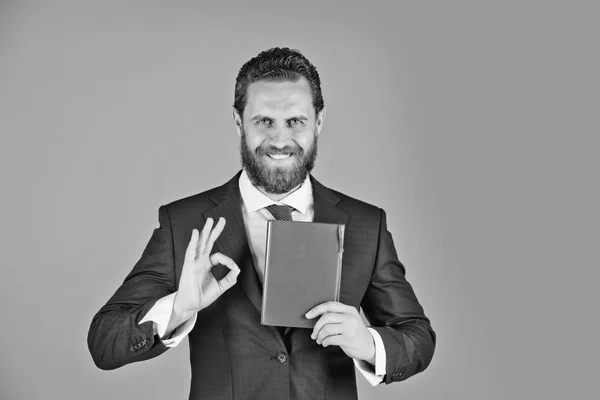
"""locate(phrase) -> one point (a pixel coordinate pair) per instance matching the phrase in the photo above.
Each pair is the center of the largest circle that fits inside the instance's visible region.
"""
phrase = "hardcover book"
(303, 268)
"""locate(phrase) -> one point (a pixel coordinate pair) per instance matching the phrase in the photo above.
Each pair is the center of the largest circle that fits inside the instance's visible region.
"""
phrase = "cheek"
(254, 138)
(306, 139)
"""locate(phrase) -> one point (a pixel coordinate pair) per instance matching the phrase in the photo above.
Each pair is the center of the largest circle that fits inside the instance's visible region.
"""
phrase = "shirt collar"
(254, 199)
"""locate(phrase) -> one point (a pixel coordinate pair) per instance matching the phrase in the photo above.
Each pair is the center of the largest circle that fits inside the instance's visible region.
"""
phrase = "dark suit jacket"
(232, 355)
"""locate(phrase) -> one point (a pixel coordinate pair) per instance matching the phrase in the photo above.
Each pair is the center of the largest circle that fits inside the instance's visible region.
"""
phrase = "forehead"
(279, 97)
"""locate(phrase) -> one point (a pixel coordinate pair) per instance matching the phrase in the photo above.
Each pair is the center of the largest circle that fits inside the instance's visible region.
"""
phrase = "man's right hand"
(198, 288)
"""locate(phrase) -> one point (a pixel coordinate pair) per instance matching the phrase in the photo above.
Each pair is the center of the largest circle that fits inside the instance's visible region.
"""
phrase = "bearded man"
(208, 287)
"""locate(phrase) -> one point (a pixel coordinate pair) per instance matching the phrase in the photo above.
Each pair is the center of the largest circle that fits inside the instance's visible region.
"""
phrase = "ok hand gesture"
(198, 288)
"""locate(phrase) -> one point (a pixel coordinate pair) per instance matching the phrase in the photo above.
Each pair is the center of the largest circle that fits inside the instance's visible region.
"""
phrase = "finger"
(330, 330)
(214, 234)
(190, 253)
(334, 340)
(330, 306)
(219, 258)
(229, 280)
(204, 235)
(327, 318)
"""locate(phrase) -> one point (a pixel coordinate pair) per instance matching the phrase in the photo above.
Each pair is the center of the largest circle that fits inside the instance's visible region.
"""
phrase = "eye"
(264, 121)
(295, 122)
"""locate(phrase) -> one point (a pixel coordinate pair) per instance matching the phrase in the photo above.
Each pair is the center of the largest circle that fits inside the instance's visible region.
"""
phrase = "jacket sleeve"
(394, 312)
(115, 337)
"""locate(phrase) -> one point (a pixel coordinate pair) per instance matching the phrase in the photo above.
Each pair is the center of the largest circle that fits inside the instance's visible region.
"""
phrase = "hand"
(198, 288)
(342, 325)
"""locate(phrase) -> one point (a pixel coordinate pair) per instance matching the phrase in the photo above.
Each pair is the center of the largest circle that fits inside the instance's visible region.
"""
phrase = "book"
(303, 268)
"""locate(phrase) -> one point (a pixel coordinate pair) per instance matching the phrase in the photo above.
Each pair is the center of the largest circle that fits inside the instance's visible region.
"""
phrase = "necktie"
(281, 212)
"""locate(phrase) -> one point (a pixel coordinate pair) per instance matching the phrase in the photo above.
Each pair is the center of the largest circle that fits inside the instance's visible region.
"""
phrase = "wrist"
(371, 354)
(180, 313)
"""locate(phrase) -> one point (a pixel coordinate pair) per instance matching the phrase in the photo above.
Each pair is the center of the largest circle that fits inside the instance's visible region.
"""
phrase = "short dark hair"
(277, 64)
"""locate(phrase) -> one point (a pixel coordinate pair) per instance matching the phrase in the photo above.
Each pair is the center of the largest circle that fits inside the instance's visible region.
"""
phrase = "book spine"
(263, 314)
(341, 230)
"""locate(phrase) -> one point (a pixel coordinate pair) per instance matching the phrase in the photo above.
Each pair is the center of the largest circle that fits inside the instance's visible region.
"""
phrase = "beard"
(277, 180)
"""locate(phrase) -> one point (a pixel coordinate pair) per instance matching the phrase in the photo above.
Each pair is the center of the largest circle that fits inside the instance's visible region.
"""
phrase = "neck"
(276, 196)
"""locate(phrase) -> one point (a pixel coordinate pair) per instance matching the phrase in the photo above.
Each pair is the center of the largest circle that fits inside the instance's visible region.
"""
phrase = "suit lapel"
(228, 205)
(233, 241)
(324, 203)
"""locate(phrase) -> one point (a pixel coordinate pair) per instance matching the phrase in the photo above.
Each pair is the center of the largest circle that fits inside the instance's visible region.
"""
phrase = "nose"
(280, 137)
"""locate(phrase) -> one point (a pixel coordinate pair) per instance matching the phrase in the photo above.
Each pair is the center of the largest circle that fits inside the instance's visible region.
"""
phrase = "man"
(209, 287)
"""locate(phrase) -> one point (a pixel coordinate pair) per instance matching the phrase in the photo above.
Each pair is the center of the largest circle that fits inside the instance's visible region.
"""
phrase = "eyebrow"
(300, 117)
(258, 117)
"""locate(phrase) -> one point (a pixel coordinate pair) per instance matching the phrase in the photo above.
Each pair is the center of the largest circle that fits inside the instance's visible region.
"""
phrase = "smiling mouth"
(279, 156)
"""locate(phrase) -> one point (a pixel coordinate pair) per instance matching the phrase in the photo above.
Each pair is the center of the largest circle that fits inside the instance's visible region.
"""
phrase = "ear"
(319, 121)
(238, 121)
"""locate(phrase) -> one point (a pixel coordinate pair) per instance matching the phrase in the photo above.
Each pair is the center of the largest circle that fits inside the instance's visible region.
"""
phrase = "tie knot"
(281, 212)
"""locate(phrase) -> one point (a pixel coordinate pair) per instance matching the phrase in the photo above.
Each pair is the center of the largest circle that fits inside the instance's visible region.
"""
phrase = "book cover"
(303, 268)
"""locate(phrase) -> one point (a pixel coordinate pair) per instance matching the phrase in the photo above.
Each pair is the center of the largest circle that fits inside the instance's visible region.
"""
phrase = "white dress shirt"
(256, 216)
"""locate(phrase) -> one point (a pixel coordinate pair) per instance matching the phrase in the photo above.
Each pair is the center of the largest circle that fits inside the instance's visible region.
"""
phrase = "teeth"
(279, 156)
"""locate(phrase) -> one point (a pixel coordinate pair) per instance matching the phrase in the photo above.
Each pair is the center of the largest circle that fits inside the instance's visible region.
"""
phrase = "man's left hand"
(342, 325)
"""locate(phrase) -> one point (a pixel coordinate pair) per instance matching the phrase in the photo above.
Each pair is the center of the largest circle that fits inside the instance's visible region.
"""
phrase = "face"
(279, 131)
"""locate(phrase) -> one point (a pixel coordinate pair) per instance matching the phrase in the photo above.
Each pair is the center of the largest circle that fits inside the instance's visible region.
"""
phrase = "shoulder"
(202, 201)
(199, 201)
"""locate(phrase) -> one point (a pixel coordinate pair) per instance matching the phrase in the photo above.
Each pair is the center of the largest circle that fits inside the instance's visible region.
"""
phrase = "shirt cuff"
(160, 315)
(374, 374)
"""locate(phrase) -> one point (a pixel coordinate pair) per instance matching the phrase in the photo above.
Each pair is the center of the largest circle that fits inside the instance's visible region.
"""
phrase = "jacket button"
(147, 341)
(282, 357)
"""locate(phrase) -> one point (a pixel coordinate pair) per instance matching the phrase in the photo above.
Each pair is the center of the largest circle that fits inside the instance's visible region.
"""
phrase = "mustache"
(293, 150)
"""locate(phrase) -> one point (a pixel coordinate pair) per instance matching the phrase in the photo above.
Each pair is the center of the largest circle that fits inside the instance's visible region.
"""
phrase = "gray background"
(473, 125)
